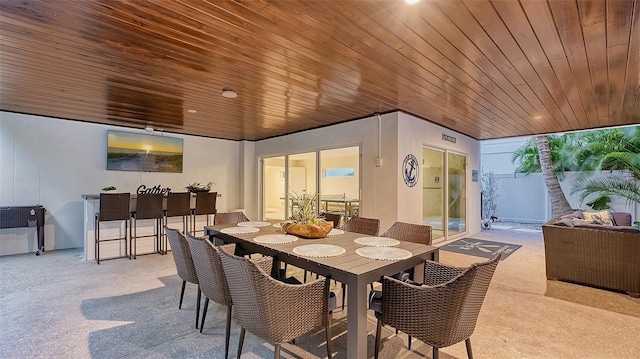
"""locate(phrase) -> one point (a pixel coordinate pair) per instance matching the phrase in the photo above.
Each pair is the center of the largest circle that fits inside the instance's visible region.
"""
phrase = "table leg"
(356, 318)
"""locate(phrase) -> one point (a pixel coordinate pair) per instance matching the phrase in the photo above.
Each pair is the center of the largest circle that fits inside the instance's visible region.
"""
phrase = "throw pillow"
(602, 217)
(578, 221)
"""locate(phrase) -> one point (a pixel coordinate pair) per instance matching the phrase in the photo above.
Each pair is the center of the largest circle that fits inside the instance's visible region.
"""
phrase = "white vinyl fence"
(524, 199)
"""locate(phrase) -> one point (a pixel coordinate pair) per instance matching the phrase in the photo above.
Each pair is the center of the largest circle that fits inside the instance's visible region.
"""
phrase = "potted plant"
(111, 189)
(304, 220)
(196, 187)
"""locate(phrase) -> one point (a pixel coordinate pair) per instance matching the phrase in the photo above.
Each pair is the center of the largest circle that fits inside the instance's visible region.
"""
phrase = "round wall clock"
(410, 170)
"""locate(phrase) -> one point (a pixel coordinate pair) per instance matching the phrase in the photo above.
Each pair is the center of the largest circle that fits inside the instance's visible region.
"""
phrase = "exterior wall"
(414, 134)
(384, 194)
(52, 162)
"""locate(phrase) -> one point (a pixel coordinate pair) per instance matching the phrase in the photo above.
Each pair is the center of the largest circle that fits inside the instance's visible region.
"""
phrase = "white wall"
(52, 162)
(496, 154)
(384, 194)
(413, 135)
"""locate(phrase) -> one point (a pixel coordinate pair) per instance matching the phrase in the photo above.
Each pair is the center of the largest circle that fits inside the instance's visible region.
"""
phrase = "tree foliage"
(599, 150)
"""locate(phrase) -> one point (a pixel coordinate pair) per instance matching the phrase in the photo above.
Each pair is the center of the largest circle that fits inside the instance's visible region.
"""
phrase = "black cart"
(25, 216)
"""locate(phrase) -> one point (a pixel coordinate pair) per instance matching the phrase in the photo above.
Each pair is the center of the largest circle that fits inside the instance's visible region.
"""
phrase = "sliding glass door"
(334, 173)
(444, 192)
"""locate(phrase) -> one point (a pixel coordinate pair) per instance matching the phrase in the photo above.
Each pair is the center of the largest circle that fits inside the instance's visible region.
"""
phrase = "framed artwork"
(128, 151)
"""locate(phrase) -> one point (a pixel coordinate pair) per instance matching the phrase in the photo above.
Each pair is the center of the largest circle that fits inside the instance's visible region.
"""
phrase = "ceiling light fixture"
(192, 111)
(411, 1)
(537, 117)
(229, 93)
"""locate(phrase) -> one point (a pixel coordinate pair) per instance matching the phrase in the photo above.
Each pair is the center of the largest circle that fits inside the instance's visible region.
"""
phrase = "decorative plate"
(335, 232)
(377, 241)
(319, 250)
(239, 230)
(383, 253)
(254, 224)
(275, 239)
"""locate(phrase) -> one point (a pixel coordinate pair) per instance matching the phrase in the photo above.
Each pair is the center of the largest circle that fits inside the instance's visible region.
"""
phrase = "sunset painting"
(128, 151)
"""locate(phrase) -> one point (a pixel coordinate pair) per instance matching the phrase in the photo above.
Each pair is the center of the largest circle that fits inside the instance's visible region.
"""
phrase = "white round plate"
(254, 224)
(383, 253)
(319, 250)
(377, 241)
(275, 239)
(239, 230)
(335, 232)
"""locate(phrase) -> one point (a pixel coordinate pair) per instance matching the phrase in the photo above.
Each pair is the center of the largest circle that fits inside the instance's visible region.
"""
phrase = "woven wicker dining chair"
(441, 312)
(332, 217)
(229, 218)
(273, 310)
(213, 283)
(409, 232)
(368, 226)
(184, 264)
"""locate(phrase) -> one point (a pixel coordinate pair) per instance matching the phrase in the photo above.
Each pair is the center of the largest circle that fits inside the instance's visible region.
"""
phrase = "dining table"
(347, 257)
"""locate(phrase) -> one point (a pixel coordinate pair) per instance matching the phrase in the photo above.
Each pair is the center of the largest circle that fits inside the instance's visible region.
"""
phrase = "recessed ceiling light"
(411, 1)
(229, 93)
(192, 111)
(537, 117)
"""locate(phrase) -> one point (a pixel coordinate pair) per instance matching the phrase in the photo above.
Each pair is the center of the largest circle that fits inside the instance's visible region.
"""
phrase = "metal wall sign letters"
(152, 190)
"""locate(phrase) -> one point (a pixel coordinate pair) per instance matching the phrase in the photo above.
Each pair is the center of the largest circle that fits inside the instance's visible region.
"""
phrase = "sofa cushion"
(621, 218)
(564, 222)
(602, 217)
(576, 214)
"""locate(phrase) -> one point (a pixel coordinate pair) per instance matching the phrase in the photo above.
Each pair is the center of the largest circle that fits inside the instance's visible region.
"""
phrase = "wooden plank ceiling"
(488, 69)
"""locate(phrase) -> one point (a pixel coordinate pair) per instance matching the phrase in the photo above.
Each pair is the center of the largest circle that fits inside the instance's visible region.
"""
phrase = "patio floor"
(58, 305)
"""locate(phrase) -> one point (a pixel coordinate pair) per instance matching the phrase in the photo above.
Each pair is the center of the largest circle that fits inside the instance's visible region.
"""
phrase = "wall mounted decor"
(128, 151)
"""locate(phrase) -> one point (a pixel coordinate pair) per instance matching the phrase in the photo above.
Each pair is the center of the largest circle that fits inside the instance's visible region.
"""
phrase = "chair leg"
(469, 352)
(409, 342)
(228, 332)
(436, 353)
(204, 312)
(329, 344)
(378, 333)
(96, 235)
(198, 306)
(276, 352)
(344, 294)
(240, 342)
(184, 283)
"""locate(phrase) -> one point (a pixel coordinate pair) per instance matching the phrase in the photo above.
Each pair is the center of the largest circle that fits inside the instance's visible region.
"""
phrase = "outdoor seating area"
(599, 255)
(340, 179)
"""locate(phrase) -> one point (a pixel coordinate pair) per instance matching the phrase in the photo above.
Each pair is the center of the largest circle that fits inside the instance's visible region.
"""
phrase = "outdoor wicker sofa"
(595, 255)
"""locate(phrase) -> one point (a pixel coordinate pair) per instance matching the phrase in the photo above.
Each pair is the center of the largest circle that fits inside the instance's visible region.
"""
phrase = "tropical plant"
(489, 194)
(197, 187)
(614, 149)
(304, 208)
(604, 187)
(611, 149)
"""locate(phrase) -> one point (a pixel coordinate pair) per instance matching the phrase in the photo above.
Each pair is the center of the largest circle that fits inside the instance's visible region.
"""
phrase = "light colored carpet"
(59, 306)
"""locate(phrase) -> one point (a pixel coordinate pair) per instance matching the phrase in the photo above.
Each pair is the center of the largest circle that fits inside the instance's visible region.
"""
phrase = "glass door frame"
(318, 174)
(445, 153)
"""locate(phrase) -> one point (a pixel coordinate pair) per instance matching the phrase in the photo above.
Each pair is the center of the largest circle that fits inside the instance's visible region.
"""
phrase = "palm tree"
(559, 203)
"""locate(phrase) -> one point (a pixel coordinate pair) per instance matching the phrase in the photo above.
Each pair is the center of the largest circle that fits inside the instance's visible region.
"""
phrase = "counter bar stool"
(178, 205)
(113, 207)
(148, 206)
(205, 205)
